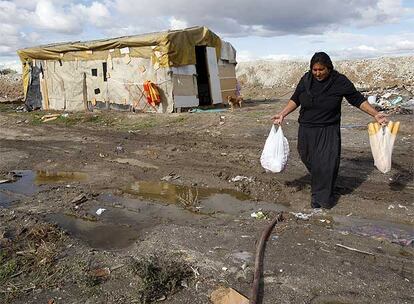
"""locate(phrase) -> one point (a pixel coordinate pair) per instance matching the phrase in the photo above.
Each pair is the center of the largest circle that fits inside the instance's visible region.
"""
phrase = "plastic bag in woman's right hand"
(275, 152)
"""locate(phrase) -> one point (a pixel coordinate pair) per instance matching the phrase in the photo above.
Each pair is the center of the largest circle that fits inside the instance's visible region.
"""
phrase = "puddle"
(142, 215)
(125, 219)
(28, 182)
(55, 177)
(96, 234)
(378, 229)
(119, 227)
(170, 193)
(208, 200)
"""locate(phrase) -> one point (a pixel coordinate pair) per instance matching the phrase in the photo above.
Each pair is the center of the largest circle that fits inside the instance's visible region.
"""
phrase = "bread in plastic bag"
(381, 139)
(275, 152)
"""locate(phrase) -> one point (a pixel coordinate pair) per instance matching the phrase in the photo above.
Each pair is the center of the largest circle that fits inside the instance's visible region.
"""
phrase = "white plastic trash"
(275, 152)
(372, 99)
(381, 139)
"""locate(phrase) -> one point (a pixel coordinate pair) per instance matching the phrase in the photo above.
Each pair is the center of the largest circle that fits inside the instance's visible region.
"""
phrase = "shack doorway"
(203, 84)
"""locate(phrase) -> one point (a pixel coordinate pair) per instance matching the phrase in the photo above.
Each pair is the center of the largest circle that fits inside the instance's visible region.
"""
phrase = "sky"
(259, 29)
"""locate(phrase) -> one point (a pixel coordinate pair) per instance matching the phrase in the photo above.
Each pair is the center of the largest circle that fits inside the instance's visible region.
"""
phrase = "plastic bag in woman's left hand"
(381, 139)
(275, 152)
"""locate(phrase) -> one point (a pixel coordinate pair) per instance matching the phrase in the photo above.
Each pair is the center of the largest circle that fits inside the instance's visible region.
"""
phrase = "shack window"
(97, 91)
(104, 70)
(94, 72)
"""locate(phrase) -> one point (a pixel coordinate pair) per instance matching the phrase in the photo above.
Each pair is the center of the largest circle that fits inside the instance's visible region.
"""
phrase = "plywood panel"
(228, 83)
(184, 85)
(213, 73)
(185, 101)
(227, 70)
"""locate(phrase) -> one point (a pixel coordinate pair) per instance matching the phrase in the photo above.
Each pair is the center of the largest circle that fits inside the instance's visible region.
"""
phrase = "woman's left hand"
(381, 118)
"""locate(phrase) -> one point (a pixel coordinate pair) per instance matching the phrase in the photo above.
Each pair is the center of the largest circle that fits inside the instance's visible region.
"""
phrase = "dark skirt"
(320, 151)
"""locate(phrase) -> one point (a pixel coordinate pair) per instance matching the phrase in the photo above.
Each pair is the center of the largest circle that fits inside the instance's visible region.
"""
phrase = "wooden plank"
(43, 91)
(85, 93)
(186, 101)
(184, 85)
(228, 83)
(213, 75)
(228, 70)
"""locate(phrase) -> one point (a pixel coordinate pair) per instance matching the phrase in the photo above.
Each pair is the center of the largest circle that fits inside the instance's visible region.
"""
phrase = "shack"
(187, 68)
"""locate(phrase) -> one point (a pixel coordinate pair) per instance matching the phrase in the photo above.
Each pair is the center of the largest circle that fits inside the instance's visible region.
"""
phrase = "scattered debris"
(259, 215)
(81, 198)
(169, 177)
(239, 178)
(224, 295)
(402, 207)
(353, 249)
(99, 275)
(302, 216)
(49, 117)
(403, 242)
(100, 211)
(119, 149)
(397, 100)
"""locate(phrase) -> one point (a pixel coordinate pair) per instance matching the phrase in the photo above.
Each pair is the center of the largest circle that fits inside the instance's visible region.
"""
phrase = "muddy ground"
(176, 227)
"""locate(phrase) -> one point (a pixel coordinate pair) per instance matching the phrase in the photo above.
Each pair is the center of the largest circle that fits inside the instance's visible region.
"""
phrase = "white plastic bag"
(275, 152)
(382, 140)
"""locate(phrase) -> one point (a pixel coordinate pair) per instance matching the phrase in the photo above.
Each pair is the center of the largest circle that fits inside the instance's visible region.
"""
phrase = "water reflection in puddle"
(170, 193)
(27, 182)
(52, 177)
(206, 200)
(126, 218)
(95, 234)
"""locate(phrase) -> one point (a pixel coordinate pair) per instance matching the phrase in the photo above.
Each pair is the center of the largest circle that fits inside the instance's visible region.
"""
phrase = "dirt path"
(165, 183)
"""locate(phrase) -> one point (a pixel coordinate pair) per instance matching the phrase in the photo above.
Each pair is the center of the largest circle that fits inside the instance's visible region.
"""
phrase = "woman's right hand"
(278, 119)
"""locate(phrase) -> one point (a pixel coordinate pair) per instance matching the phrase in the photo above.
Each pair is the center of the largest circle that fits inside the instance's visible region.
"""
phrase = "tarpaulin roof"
(169, 48)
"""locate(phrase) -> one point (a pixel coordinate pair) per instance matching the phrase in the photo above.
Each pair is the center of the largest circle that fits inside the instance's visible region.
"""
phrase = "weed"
(178, 120)
(189, 199)
(160, 276)
(7, 269)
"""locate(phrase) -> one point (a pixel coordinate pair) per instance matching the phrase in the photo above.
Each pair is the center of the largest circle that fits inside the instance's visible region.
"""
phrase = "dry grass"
(160, 276)
(189, 199)
(28, 260)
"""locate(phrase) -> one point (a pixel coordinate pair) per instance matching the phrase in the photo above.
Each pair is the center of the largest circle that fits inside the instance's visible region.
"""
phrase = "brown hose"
(258, 263)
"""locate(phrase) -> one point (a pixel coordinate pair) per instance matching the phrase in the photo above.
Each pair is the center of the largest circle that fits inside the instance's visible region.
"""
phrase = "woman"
(319, 95)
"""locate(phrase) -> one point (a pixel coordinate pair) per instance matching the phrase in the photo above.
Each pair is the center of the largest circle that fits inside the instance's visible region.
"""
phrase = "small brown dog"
(233, 101)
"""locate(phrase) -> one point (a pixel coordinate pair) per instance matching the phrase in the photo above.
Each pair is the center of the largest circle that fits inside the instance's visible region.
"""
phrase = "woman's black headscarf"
(322, 58)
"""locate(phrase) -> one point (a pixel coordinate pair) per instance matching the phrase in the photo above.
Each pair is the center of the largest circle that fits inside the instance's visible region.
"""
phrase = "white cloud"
(279, 57)
(366, 46)
(176, 24)
(244, 55)
(97, 14)
(264, 17)
(54, 18)
(318, 23)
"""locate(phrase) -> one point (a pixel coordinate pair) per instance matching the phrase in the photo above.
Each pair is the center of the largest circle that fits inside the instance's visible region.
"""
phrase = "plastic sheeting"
(123, 84)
